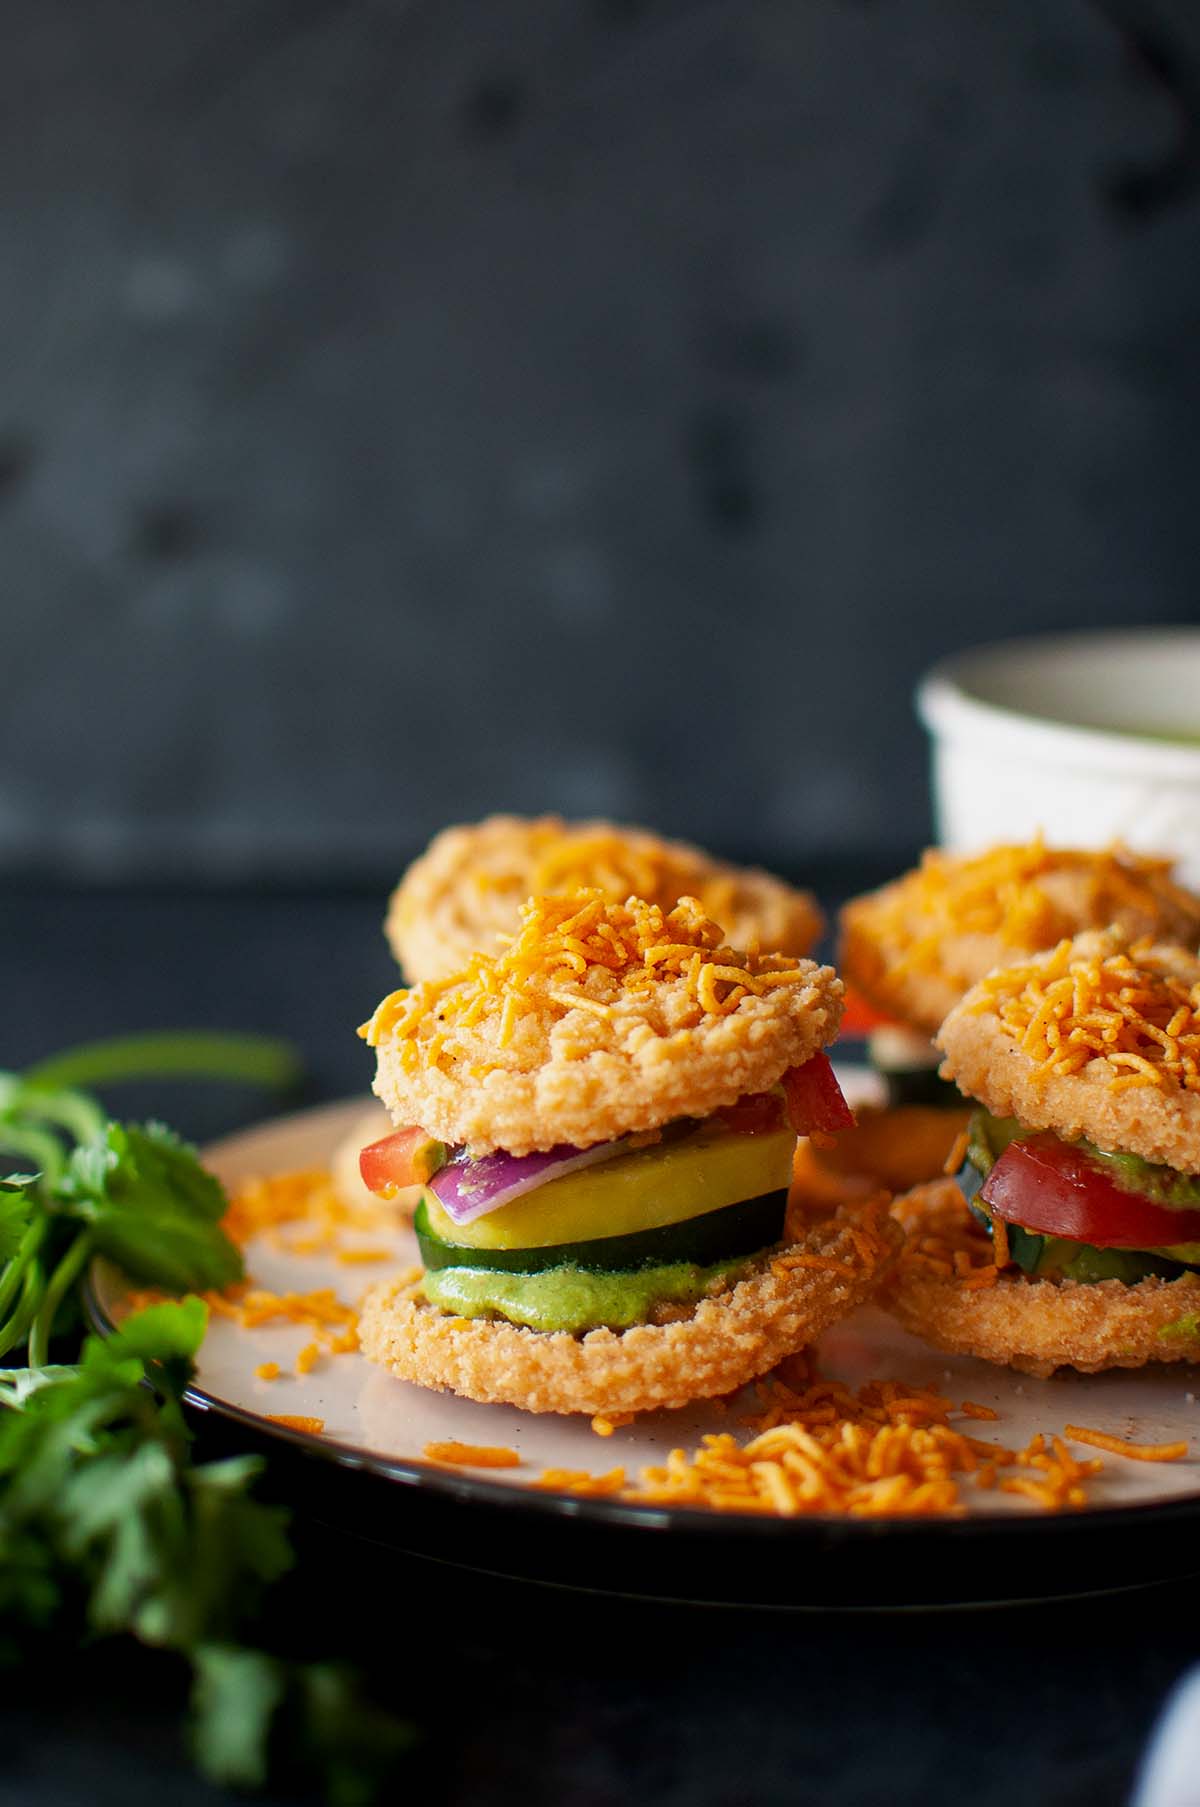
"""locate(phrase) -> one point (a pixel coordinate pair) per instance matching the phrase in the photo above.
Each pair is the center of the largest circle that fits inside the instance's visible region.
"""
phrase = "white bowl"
(1088, 738)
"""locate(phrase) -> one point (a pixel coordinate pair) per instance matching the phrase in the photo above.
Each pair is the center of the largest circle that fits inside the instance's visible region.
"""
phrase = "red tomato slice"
(400, 1160)
(1046, 1185)
(751, 1115)
(815, 1105)
(859, 1018)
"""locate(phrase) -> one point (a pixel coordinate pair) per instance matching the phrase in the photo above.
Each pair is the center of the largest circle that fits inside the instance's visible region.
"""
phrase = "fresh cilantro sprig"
(133, 1192)
(100, 1501)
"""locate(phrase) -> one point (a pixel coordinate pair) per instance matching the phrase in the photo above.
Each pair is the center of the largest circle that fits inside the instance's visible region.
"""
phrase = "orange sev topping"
(601, 860)
(584, 952)
(1002, 892)
(295, 1421)
(1123, 1006)
(1117, 1446)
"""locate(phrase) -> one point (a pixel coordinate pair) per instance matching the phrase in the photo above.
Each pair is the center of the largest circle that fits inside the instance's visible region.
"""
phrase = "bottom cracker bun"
(1035, 1326)
(724, 1341)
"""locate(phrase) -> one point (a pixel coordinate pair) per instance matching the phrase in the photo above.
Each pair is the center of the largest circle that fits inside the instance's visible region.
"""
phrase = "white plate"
(382, 1424)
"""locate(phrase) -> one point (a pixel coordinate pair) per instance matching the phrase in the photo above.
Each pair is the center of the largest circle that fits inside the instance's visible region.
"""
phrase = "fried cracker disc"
(727, 1339)
(468, 886)
(1035, 1326)
(1116, 1063)
(915, 946)
(599, 1019)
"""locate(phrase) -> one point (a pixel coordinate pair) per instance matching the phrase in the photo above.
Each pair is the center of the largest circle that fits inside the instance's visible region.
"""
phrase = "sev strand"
(1118, 1446)
(472, 1455)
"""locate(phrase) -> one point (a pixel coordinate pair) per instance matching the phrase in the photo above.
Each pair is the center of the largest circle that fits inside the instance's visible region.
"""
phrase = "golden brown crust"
(467, 887)
(1037, 1326)
(916, 945)
(522, 1056)
(1159, 1123)
(726, 1340)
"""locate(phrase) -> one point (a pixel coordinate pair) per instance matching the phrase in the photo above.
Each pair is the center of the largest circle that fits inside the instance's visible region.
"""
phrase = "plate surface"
(377, 1427)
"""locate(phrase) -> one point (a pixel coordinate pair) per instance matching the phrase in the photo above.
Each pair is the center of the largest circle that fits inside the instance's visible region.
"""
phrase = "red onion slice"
(467, 1189)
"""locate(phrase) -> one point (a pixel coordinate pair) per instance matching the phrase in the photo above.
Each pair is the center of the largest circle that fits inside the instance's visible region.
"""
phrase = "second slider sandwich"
(1081, 1176)
(604, 1118)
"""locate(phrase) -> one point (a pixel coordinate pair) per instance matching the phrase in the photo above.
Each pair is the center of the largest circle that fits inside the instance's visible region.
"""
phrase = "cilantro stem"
(193, 1054)
(74, 1111)
(17, 1328)
(61, 1280)
(39, 1144)
(16, 1269)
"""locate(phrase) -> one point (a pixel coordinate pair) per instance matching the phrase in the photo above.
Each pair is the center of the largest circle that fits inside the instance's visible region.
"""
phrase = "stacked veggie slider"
(608, 1112)
(466, 890)
(1082, 1166)
(912, 950)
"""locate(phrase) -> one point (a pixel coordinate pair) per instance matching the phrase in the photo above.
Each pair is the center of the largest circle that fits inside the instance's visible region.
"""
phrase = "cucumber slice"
(1059, 1259)
(724, 1235)
(909, 1063)
(922, 1085)
(667, 1183)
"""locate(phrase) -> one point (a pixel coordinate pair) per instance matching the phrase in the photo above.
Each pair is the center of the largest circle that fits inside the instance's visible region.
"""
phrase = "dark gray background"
(408, 410)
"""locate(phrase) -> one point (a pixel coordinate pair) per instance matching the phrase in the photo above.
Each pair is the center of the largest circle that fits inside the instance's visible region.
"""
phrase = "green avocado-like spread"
(574, 1298)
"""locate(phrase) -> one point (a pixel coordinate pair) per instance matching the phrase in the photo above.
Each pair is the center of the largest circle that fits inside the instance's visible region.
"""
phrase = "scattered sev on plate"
(304, 1213)
(472, 1455)
(814, 1446)
(1120, 1446)
(300, 1213)
(887, 1450)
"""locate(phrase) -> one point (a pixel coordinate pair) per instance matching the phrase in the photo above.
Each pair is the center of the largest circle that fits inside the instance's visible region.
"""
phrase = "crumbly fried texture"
(1089, 1040)
(600, 1019)
(1033, 1325)
(914, 947)
(467, 889)
(726, 1340)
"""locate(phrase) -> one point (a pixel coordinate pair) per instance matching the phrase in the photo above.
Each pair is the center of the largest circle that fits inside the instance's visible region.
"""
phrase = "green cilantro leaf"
(350, 1741)
(152, 1208)
(235, 1696)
